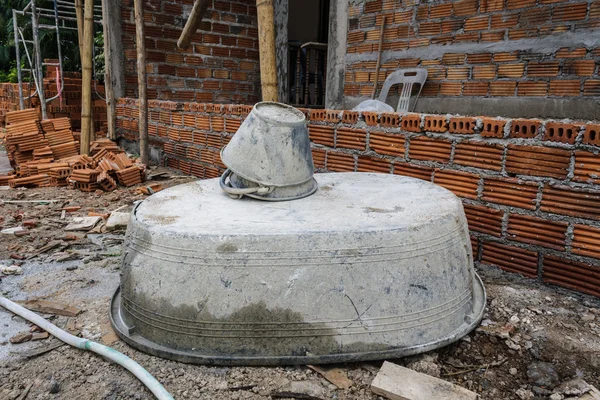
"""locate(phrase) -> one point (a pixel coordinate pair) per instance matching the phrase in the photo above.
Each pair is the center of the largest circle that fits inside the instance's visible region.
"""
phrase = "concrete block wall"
(531, 188)
(221, 64)
(542, 49)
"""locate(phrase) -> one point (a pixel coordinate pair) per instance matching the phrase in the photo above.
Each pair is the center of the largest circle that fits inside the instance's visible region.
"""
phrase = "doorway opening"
(308, 30)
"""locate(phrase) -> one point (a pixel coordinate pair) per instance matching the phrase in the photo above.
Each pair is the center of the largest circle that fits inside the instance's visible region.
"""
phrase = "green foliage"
(99, 55)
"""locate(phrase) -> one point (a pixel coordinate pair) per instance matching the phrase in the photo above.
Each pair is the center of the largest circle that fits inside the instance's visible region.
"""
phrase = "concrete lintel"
(589, 38)
(513, 107)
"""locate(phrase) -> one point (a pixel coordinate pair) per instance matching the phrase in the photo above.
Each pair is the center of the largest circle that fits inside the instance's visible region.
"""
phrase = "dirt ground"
(535, 342)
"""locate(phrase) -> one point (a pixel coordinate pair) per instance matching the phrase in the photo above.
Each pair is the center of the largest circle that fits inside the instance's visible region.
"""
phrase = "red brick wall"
(478, 36)
(221, 64)
(531, 188)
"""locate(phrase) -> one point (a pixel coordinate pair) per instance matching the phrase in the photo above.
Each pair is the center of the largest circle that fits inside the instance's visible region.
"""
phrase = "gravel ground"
(534, 340)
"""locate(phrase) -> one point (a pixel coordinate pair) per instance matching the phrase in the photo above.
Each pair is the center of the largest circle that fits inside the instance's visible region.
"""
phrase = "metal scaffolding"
(62, 12)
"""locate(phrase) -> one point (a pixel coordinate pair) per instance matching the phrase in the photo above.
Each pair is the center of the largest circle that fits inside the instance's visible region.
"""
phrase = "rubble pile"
(46, 153)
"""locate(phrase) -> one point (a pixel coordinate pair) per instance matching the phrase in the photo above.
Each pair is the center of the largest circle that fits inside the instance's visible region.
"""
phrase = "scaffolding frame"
(63, 11)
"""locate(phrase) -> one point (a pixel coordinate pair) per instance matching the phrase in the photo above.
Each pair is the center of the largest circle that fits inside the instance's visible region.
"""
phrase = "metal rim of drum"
(237, 181)
(127, 334)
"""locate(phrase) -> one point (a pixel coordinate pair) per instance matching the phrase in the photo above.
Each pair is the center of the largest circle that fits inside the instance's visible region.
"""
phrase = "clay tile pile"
(46, 153)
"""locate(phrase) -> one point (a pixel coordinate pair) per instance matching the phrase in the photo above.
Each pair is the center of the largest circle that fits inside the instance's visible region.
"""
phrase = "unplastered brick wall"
(221, 64)
(530, 188)
(479, 48)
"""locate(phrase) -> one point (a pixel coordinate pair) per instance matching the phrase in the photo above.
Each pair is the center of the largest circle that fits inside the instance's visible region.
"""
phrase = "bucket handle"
(238, 193)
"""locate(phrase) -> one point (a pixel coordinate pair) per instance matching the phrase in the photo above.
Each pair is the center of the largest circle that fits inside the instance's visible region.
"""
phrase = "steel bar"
(18, 54)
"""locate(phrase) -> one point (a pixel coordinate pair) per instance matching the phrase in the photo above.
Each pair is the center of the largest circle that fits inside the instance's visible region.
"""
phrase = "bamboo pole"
(379, 58)
(108, 74)
(81, 40)
(193, 23)
(266, 48)
(86, 78)
(142, 84)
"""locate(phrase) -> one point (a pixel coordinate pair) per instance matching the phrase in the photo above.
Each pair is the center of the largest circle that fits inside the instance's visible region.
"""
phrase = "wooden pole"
(80, 38)
(266, 48)
(86, 78)
(108, 74)
(379, 58)
(193, 23)
(142, 85)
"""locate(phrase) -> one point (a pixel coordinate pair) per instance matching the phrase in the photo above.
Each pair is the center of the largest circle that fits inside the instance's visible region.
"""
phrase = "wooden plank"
(50, 307)
(398, 383)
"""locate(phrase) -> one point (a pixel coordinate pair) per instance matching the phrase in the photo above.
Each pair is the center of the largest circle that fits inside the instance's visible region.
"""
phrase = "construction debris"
(337, 376)
(398, 383)
(50, 307)
(46, 153)
(21, 338)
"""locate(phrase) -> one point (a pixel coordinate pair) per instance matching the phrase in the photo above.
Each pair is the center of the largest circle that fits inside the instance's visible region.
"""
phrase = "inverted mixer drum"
(371, 266)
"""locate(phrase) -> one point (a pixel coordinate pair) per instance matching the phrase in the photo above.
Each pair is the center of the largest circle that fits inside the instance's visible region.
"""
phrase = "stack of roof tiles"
(45, 153)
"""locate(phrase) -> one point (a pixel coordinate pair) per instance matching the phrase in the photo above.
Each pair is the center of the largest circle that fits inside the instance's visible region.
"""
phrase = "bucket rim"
(128, 335)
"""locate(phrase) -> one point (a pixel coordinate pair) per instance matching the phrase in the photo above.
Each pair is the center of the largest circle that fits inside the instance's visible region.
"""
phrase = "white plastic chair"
(407, 77)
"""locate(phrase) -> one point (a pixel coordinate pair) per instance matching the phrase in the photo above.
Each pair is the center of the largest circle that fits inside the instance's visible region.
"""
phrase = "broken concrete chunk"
(83, 223)
(398, 383)
(11, 270)
(117, 220)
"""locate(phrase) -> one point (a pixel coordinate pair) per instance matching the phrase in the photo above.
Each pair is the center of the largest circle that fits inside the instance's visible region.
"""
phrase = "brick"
(511, 70)
(350, 117)
(491, 5)
(436, 123)
(479, 155)
(587, 167)
(389, 120)
(492, 36)
(458, 73)
(566, 52)
(561, 132)
(462, 125)
(591, 135)
(502, 88)
(340, 162)
(535, 17)
(503, 21)
(411, 123)
(570, 12)
(462, 184)
(524, 128)
(484, 219)
(430, 149)
(542, 69)
(510, 192)
(349, 138)
(391, 144)
(537, 231)
(506, 57)
(450, 26)
(591, 87)
(579, 67)
(322, 134)
(574, 275)
(318, 156)
(371, 118)
(373, 6)
(478, 23)
(430, 28)
(516, 4)
(511, 258)
(564, 200)
(414, 171)
(453, 58)
(564, 88)
(464, 8)
(586, 241)
(440, 10)
(484, 72)
(332, 116)
(538, 161)
(451, 88)
(475, 88)
(422, 13)
(532, 89)
(493, 127)
(317, 115)
(374, 164)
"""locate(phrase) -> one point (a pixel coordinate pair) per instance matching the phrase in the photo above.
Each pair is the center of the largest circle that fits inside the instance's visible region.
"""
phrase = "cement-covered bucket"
(372, 266)
(269, 157)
